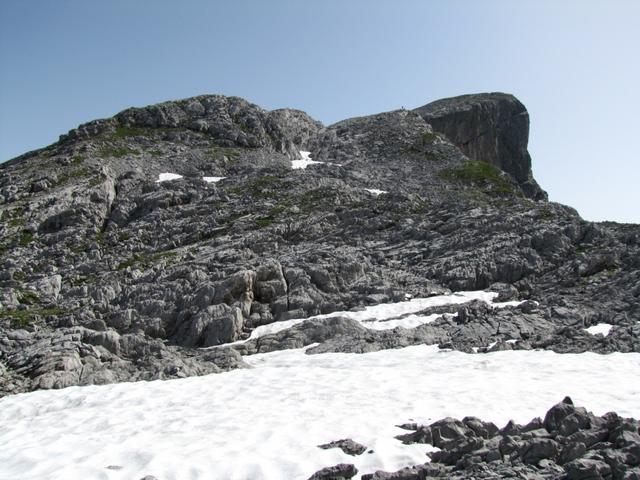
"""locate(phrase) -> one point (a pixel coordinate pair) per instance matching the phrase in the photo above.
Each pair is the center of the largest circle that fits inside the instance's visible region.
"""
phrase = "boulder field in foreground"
(569, 443)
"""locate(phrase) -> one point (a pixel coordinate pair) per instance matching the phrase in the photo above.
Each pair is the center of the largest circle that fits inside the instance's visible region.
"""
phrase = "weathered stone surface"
(526, 452)
(491, 127)
(342, 471)
(90, 242)
(347, 445)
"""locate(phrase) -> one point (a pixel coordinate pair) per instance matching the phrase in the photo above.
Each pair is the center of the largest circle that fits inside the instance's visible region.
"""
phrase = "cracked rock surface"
(108, 275)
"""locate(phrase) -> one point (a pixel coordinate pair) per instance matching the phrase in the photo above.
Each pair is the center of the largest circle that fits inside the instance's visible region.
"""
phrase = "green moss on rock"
(482, 174)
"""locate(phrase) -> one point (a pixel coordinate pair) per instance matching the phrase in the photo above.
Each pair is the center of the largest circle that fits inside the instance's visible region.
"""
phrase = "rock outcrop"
(108, 274)
(570, 443)
(489, 127)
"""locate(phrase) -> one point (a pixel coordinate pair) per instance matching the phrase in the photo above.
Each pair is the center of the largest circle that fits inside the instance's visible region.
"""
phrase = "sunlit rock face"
(492, 127)
(154, 244)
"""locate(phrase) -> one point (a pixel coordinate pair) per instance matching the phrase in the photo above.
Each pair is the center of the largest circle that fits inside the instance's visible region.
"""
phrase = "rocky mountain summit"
(152, 244)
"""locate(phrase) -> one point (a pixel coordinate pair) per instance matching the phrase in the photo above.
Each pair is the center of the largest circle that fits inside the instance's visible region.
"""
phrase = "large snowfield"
(266, 422)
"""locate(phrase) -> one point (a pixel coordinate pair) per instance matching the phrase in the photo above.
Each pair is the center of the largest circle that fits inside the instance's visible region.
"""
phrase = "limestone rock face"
(492, 127)
(138, 246)
(233, 121)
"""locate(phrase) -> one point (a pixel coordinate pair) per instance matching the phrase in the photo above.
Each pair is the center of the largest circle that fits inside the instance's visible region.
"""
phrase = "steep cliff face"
(109, 274)
(492, 127)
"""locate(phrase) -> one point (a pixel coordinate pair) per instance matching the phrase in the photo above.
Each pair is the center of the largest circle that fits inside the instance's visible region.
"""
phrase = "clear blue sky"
(573, 63)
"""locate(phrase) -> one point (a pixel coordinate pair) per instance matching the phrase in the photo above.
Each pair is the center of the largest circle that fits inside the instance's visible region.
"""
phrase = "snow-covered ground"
(213, 179)
(304, 162)
(375, 191)
(165, 177)
(601, 328)
(265, 422)
(386, 316)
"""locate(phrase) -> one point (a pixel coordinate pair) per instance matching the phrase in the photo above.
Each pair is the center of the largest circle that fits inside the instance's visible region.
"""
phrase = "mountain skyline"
(64, 65)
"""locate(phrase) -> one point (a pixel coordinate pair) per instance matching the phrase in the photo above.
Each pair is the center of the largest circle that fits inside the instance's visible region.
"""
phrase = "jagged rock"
(347, 445)
(214, 325)
(419, 472)
(493, 128)
(475, 449)
(587, 469)
(558, 413)
(538, 449)
(342, 471)
(303, 334)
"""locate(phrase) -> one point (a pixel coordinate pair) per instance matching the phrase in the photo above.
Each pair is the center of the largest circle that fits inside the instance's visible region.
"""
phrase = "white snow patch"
(602, 328)
(378, 317)
(511, 341)
(213, 179)
(304, 163)
(266, 422)
(165, 177)
(511, 303)
(375, 191)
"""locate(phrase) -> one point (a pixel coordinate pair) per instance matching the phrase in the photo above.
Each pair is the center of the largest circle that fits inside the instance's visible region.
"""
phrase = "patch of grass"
(77, 159)
(544, 213)
(313, 198)
(422, 145)
(16, 222)
(84, 280)
(144, 260)
(25, 239)
(234, 190)
(116, 151)
(429, 137)
(279, 208)
(16, 218)
(19, 276)
(264, 222)
(95, 181)
(126, 132)
(155, 153)
(481, 174)
(124, 236)
(264, 187)
(77, 173)
(23, 318)
(221, 153)
(78, 247)
(28, 297)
